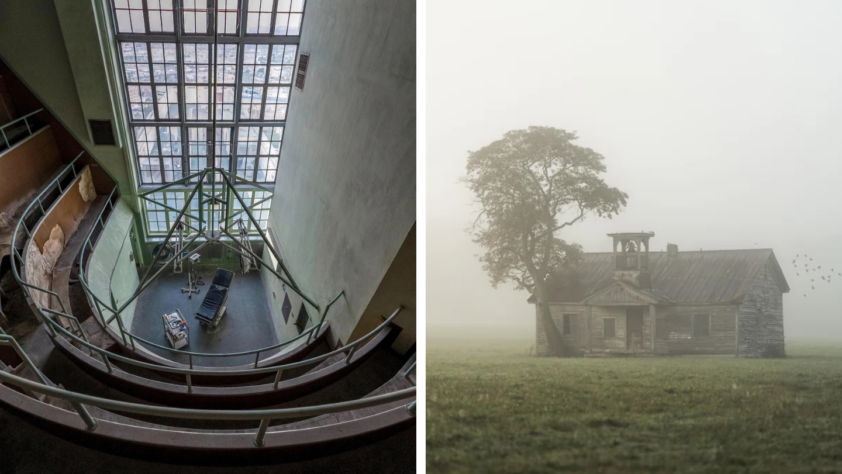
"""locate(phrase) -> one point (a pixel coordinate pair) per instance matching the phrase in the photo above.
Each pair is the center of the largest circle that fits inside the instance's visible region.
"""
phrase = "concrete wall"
(276, 291)
(110, 270)
(761, 318)
(345, 196)
(60, 59)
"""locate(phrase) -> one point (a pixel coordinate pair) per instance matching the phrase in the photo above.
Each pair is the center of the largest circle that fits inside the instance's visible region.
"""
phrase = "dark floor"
(246, 325)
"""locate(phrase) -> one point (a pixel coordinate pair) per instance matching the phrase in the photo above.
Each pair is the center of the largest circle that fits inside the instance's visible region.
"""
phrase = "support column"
(653, 315)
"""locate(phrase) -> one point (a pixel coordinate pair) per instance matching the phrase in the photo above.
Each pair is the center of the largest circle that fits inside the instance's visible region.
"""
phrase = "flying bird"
(813, 287)
(811, 259)
(820, 267)
(797, 274)
(822, 278)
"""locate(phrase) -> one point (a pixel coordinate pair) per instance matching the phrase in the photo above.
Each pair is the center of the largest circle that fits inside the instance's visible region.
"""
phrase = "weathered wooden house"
(698, 302)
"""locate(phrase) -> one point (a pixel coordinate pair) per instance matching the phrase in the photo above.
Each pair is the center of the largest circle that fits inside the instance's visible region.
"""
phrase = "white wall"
(345, 196)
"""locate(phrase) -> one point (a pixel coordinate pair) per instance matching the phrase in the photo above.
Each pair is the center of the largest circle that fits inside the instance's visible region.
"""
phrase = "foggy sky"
(721, 120)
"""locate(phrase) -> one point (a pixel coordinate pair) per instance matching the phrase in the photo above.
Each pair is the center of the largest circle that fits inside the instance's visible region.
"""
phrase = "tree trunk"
(546, 318)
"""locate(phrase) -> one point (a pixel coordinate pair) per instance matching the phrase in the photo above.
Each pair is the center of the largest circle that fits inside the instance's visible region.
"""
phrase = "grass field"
(492, 407)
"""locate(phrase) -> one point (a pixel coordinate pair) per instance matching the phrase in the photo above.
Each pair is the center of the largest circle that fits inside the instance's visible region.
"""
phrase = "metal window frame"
(179, 38)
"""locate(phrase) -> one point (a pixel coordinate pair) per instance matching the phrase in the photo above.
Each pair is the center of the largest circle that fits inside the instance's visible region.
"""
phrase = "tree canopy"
(530, 185)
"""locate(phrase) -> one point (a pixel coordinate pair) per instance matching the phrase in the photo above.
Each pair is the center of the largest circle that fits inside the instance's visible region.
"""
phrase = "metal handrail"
(24, 118)
(265, 416)
(128, 337)
(15, 254)
(277, 369)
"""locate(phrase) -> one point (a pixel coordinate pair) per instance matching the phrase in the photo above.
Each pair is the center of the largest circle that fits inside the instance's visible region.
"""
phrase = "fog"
(721, 120)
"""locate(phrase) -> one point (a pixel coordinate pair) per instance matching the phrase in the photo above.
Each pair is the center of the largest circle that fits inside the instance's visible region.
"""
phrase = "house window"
(662, 331)
(701, 325)
(567, 326)
(608, 328)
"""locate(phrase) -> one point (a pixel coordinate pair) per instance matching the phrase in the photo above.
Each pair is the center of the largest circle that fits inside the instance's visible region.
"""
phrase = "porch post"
(653, 315)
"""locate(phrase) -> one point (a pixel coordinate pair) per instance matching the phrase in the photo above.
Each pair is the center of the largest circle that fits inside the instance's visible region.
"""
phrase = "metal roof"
(695, 277)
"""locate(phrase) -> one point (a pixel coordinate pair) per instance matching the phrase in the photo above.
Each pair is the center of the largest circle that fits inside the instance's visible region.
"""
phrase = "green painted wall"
(111, 270)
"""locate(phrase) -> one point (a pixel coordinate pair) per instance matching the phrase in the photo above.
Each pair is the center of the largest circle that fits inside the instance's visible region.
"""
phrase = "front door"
(634, 328)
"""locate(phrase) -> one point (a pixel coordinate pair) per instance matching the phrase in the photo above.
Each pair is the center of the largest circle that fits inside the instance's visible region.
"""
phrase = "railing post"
(411, 408)
(189, 383)
(256, 359)
(190, 356)
(107, 363)
(277, 378)
(26, 121)
(409, 370)
(261, 432)
(350, 353)
(86, 417)
(5, 138)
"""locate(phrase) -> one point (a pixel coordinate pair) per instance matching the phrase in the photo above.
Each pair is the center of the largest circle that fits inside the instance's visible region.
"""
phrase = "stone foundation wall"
(760, 319)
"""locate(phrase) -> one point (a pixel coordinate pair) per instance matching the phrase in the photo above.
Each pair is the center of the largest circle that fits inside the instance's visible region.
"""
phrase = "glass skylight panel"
(171, 88)
(164, 63)
(226, 19)
(288, 17)
(197, 145)
(129, 15)
(160, 16)
(196, 80)
(259, 17)
(222, 151)
(195, 17)
(171, 152)
(146, 139)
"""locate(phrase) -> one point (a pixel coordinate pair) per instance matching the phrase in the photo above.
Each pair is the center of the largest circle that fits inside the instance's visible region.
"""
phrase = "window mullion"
(146, 17)
(238, 83)
(272, 17)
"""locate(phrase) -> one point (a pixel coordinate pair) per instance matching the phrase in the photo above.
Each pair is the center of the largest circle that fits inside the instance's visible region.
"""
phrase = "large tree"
(531, 185)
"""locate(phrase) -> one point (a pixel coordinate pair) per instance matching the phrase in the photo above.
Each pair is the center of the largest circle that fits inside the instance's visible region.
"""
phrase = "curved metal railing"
(16, 257)
(25, 120)
(213, 372)
(77, 400)
(53, 326)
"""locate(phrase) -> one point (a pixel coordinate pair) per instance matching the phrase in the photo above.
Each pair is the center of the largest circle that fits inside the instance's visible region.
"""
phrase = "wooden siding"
(761, 320)
(578, 339)
(674, 329)
(589, 337)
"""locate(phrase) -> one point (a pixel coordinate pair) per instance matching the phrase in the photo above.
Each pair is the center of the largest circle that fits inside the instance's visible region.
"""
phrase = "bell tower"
(631, 258)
